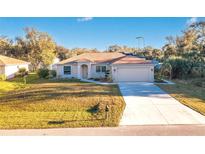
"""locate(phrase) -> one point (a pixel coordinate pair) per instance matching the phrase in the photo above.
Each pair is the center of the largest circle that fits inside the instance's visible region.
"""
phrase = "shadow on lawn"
(94, 110)
(60, 122)
(48, 92)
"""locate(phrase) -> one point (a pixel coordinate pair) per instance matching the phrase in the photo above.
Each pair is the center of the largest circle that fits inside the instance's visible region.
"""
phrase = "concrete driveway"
(147, 104)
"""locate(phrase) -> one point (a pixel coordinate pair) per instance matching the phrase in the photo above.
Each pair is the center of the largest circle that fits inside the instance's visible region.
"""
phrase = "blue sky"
(99, 32)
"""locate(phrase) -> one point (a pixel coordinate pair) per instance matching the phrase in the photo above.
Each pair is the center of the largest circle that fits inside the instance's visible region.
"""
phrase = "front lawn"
(6, 86)
(59, 103)
(17, 83)
(188, 94)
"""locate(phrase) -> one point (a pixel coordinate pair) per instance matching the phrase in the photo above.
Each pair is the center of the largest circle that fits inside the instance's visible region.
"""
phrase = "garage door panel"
(133, 74)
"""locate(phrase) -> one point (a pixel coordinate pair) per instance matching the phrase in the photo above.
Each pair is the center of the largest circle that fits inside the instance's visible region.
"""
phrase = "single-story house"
(10, 66)
(95, 65)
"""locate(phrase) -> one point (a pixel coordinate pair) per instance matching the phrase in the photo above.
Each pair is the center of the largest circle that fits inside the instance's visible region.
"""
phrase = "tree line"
(38, 48)
(181, 55)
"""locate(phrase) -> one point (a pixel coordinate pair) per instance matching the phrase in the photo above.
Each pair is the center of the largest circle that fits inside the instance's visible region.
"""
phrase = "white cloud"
(84, 19)
(191, 21)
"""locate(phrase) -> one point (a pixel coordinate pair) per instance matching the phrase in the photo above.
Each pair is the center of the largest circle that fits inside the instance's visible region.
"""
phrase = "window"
(67, 70)
(97, 68)
(100, 68)
(103, 68)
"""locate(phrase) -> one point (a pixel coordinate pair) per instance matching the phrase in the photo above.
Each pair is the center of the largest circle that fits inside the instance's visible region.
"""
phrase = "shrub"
(181, 67)
(2, 77)
(166, 70)
(107, 74)
(22, 72)
(197, 83)
(196, 72)
(52, 73)
(99, 107)
(157, 74)
(43, 73)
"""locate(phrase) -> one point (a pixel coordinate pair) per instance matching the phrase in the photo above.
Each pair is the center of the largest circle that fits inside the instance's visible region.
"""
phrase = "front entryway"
(84, 71)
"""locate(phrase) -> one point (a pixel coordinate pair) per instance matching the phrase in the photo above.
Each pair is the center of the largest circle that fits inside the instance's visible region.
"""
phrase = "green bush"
(166, 70)
(43, 73)
(52, 73)
(157, 74)
(196, 72)
(197, 83)
(2, 77)
(22, 72)
(181, 67)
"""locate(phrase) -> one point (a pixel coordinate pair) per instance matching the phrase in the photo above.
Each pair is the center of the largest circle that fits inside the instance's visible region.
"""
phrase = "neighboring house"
(9, 66)
(94, 65)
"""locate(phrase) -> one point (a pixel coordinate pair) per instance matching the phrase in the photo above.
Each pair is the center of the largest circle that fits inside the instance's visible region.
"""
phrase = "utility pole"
(143, 41)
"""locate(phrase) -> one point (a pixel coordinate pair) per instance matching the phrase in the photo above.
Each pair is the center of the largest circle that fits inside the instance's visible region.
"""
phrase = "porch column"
(78, 70)
(89, 70)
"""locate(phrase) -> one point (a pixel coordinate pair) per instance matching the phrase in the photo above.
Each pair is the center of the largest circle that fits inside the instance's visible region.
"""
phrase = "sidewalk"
(148, 130)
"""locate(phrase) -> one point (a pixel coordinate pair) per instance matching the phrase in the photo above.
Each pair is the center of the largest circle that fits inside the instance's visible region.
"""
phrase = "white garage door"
(133, 74)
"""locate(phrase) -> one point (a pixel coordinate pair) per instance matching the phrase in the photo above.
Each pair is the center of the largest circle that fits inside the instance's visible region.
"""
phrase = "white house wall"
(10, 70)
(60, 71)
(76, 70)
(95, 74)
(77, 73)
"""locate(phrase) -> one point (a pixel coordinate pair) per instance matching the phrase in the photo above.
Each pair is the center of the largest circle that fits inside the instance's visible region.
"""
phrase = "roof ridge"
(94, 57)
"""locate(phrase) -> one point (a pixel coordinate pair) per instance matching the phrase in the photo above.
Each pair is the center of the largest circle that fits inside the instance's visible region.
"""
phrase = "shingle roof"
(10, 61)
(114, 58)
(93, 57)
(131, 60)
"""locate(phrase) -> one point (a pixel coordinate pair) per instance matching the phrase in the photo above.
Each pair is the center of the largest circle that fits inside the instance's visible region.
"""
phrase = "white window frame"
(70, 69)
(101, 66)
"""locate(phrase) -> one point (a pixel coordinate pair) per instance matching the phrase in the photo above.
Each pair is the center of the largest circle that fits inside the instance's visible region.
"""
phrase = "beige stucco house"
(10, 66)
(94, 65)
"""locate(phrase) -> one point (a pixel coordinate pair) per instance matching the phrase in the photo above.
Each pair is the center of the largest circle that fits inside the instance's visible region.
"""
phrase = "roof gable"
(4, 60)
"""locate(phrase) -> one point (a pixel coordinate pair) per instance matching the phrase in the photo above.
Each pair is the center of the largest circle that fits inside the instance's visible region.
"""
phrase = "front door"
(84, 71)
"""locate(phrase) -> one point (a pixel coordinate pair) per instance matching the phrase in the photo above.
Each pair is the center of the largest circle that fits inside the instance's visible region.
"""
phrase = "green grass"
(59, 103)
(6, 86)
(17, 83)
(188, 94)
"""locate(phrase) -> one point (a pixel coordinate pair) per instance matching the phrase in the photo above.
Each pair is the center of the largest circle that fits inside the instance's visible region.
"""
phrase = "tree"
(6, 46)
(63, 53)
(169, 50)
(114, 48)
(166, 70)
(199, 28)
(188, 42)
(147, 52)
(21, 48)
(41, 47)
(156, 54)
